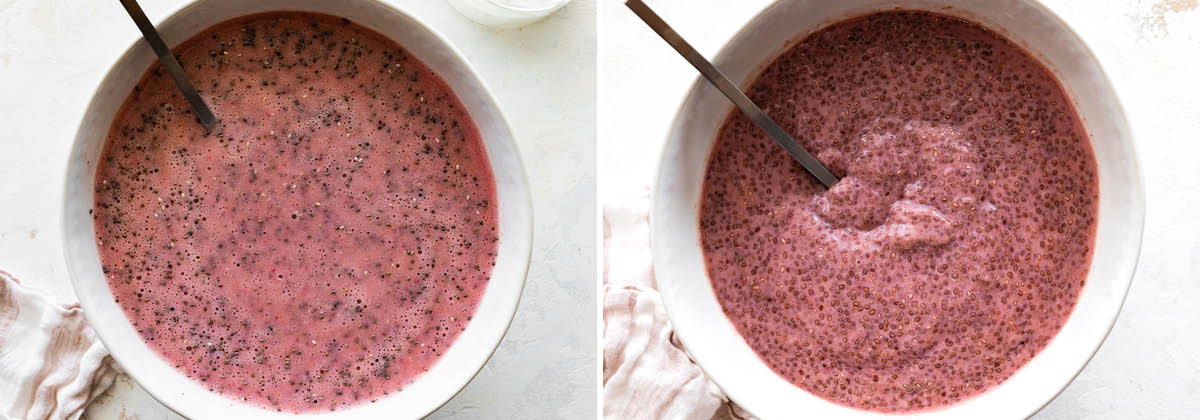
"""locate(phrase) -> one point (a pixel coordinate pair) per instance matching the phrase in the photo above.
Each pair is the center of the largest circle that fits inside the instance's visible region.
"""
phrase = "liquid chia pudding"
(322, 246)
(957, 241)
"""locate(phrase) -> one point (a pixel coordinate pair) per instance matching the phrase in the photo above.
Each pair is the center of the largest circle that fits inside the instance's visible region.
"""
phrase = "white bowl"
(496, 308)
(711, 338)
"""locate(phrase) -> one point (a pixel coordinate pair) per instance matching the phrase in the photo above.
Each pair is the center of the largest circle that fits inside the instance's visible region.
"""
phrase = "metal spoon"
(734, 94)
(170, 64)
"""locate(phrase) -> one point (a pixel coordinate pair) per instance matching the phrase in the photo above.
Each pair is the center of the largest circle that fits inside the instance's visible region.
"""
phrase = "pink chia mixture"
(955, 245)
(326, 243)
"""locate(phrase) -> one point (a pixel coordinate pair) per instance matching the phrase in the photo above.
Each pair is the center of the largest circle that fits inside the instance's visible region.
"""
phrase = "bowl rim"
(1138, 209)
(522, 257)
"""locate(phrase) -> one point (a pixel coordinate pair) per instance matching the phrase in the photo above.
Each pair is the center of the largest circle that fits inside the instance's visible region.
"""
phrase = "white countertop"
(54, 53)
(1149, 368)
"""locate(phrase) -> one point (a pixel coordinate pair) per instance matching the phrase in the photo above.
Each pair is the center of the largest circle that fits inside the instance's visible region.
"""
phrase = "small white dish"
(496, 308)
(507, 14)
(679, 267)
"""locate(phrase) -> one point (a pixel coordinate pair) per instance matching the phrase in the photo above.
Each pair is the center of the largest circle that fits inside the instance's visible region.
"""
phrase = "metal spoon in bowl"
(735, 95)
(170, 64)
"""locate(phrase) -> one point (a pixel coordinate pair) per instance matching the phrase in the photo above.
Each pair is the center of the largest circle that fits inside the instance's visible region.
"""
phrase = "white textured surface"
(1149, 368)
(53, 54)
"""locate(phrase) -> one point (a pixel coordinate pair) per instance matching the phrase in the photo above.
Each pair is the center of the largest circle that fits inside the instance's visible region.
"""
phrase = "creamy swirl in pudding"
(955, 245)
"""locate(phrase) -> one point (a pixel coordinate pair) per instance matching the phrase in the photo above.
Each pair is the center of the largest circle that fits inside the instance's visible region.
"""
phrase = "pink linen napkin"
(647, 374)
(51, 362)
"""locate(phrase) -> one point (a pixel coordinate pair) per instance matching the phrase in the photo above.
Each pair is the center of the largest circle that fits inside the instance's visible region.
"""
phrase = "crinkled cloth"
(51, 363)
(647, 373)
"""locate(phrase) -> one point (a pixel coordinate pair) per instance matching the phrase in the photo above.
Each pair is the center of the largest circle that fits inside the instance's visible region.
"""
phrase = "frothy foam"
(326, 243)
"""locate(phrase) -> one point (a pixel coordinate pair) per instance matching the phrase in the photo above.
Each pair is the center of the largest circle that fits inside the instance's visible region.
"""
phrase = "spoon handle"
(735, 95)
(170, 63)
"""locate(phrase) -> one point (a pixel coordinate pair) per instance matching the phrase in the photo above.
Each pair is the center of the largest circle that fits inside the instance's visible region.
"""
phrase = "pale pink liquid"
(327, 243)
(955, 245)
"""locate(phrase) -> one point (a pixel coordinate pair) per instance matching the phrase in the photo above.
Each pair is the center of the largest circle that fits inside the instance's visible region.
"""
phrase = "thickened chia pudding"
(326, 243)
(955, 245)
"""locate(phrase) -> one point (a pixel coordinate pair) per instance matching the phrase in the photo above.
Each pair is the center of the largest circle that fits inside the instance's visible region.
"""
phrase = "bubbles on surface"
(319, 248)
